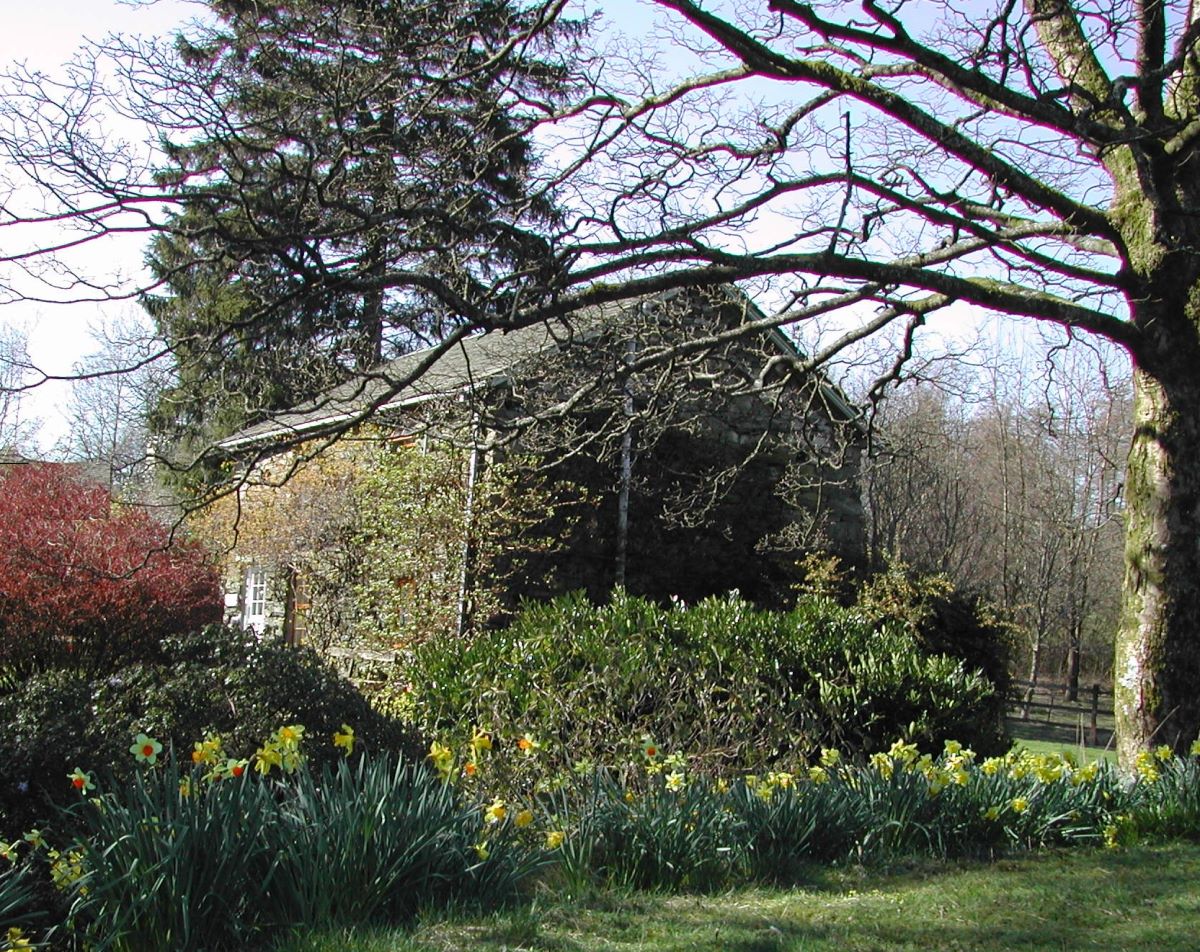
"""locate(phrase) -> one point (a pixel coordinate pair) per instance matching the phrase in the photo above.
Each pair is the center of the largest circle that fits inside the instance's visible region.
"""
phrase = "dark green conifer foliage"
(351, 174)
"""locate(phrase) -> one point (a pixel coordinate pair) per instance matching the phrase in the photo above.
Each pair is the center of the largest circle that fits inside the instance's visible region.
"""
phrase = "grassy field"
(1083, 754)
(1135, 899)
(1054, 725)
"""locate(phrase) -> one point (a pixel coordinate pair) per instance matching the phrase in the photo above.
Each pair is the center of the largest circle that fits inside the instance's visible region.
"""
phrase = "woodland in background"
(1008, 481)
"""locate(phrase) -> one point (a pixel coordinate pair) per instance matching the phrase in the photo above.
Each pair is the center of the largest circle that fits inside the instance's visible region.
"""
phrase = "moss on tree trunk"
(1157, 671)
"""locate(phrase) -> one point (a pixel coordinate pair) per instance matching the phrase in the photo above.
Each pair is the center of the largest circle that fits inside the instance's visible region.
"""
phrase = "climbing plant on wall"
(382, 542)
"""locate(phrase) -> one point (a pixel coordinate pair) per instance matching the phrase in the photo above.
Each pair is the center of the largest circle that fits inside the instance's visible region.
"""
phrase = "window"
(254, 612)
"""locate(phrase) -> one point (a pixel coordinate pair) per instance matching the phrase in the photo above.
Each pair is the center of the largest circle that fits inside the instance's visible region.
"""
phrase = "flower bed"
(218, 851)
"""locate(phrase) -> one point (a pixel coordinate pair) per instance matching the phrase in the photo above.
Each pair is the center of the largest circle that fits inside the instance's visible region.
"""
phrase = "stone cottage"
(671, 453)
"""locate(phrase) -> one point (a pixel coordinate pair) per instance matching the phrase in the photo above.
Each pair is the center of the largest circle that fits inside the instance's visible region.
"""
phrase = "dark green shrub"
(719, 680)
(220, 680)
(945, 620)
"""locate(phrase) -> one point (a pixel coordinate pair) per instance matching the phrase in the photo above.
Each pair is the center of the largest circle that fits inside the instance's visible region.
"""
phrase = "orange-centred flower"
(81, 780)
(146, 749)
(527, 745)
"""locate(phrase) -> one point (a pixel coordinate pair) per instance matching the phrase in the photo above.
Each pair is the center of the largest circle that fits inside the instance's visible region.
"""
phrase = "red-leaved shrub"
(86, 580)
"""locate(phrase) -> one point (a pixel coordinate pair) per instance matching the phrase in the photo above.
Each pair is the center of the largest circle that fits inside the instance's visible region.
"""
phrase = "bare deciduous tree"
(16, 428)
(111, 398)
(1012, 488)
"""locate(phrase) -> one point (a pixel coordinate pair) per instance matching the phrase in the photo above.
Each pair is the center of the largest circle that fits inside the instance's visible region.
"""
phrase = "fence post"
(1028, 702)
(1094, 736)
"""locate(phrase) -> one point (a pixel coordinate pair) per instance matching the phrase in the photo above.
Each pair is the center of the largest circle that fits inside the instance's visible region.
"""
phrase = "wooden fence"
(1047, 702)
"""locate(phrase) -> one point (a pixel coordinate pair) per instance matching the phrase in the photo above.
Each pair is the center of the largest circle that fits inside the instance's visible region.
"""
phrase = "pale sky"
(44, 34)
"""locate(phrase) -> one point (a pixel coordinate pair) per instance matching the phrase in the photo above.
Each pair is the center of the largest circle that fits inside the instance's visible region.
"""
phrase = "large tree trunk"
(1157, 673)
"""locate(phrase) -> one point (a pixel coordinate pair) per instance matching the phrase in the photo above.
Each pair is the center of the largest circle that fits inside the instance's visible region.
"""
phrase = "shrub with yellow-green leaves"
(741, 688)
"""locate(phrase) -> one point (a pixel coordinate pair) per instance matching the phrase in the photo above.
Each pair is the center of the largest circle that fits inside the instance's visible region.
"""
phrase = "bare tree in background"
(16, 428)
(112, 395)
(923, 503)
(1010, 484)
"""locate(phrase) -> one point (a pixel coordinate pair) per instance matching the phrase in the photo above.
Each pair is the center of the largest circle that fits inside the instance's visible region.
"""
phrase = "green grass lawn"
(1136, 899)
(1084, 754)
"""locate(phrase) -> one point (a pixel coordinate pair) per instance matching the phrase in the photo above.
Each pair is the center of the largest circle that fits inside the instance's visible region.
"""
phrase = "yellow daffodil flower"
(16, 939)
(442, 757)
(496, 812)
(207, 751)
(481, 741)
(345, 739)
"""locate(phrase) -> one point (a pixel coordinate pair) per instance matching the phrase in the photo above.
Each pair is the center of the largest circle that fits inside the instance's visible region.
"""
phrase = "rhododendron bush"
(86, 580)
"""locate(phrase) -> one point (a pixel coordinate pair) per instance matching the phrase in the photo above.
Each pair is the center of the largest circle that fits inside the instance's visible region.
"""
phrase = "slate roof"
(478, 362)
